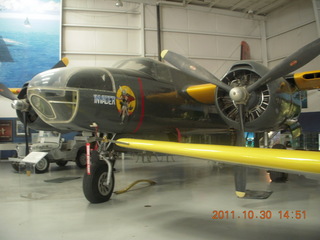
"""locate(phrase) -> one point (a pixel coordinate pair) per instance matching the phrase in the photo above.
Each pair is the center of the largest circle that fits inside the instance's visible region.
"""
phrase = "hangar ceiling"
(256, 7)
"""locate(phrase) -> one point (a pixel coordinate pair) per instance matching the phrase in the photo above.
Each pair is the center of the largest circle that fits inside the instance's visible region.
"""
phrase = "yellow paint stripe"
(203, 93)
(278, 159)
(307, 80)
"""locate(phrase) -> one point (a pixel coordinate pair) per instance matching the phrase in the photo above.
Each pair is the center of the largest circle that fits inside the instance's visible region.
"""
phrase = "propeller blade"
(62, 63)
(192, 68)
(5, 92)
(240, 180)
(26, 131)
(240, 172)
(241, 140)
(289, 64)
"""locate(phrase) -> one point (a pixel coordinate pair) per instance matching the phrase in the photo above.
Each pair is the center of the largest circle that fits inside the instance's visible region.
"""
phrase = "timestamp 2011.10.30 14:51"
(260, 214)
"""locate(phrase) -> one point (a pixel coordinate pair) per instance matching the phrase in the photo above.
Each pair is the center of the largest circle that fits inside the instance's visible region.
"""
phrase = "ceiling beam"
(214, 2)
(204, 8)
(274, 5)
(238, 5)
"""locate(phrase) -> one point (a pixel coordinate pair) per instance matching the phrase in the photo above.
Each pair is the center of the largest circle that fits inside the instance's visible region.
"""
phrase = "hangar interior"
(188, 192)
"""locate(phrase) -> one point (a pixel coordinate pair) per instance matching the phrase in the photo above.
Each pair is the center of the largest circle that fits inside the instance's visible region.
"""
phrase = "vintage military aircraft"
(140, 97)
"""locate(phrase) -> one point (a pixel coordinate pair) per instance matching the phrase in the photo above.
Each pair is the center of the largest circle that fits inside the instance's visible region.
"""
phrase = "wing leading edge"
(277, 159)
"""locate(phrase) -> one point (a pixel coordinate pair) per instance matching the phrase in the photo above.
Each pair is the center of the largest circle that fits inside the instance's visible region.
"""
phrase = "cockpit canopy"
(155, 69)
(76, 77)
(95, 78)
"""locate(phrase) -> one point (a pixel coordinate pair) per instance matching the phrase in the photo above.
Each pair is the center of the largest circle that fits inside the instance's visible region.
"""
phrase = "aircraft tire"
(93, 185)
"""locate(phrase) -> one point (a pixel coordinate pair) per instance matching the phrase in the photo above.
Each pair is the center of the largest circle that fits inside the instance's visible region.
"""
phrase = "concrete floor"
(179, 206)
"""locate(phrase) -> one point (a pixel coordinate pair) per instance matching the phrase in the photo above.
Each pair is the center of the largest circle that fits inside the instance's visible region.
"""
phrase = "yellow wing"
(279, 159)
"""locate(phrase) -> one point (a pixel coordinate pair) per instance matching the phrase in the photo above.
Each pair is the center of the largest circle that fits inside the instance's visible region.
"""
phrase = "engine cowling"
(269, 107)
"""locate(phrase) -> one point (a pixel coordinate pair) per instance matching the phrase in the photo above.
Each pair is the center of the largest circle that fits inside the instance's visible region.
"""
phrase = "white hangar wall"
(288, 29)
(97, 33)
(211, 38)
(6, 110)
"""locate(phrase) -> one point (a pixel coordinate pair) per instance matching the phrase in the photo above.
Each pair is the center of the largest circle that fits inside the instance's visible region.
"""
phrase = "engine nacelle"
(270, 106)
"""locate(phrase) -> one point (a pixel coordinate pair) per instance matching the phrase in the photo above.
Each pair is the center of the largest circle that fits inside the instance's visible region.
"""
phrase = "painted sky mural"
(29, 38)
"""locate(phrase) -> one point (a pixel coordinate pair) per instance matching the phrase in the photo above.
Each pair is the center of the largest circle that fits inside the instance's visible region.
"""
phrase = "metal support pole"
(266, 140)
(159, 31)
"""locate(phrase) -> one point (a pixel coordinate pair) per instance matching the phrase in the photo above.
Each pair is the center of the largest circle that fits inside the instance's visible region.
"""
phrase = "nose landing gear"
(96, 187)
(99, 184)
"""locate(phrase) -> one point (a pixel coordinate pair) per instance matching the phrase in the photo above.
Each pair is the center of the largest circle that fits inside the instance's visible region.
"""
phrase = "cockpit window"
(91, 79)
(156, 70)
(139, 64)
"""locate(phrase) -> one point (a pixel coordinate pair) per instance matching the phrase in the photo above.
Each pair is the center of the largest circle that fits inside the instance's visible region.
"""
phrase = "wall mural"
(29, 38)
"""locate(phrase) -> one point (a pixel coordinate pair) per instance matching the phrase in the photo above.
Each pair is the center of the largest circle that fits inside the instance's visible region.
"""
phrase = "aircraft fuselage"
(119, 100)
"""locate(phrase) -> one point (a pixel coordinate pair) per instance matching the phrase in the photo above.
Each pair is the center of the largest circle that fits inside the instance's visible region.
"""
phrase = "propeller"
(240, 172)
(25, 124)
(62, 63)
(18, 104)
(241, 94)
(289, 64)
(5, 92)
(22, 104)
(192, 68)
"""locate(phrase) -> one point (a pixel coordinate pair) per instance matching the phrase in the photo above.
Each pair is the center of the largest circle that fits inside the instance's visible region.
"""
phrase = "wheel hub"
(42, 164)
(102, 184)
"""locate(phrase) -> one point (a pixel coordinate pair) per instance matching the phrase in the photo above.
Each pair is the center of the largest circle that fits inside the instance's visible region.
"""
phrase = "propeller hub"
(21, 105)
(239, 95)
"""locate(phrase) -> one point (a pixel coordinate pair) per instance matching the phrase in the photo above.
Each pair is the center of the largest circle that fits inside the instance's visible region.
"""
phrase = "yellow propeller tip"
(240, 194)
(65, 60)
(14, 90)
(163, 53)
